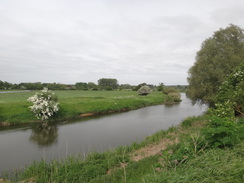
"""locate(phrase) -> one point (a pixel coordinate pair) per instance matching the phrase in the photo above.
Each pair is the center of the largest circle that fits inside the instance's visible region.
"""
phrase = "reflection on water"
(44, 134)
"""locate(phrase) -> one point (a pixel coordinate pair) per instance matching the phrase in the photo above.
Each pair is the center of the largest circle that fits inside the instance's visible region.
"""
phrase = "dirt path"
(153, 149)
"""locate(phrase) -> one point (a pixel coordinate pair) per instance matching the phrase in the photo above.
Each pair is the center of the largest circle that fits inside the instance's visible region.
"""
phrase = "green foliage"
(81, 86)
(190, 146)
(175, 96)
(139, 86)
(231, 92)
(223, 110)
(214, 165)
(188, 122)
(92, 86)
(221, 132)
(172, 95)
(161, 87)
(144, 90)
(106, 83)
(217, 58)
(4, 85)
(168, 90)
(168, 100)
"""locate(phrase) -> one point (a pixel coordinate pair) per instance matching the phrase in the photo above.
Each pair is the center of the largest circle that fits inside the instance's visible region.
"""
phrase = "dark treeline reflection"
(44, 134)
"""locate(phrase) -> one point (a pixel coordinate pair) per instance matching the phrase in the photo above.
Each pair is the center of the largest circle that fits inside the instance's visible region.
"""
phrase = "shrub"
(223, 110)
(168, 100)
(44, 104)
(231, 93)
(175, 96)
(144, 90)
(167, 90)
(221, 132)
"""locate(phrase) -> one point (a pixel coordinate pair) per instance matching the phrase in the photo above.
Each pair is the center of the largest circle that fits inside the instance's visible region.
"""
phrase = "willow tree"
(216, 59)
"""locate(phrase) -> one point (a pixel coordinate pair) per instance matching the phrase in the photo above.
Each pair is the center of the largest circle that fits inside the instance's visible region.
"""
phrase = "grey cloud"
(132, 41)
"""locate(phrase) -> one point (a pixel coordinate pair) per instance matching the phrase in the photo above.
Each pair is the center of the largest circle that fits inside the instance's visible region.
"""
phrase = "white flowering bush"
(230, 97)
(144, 90)
(44, 104)
(223, 110)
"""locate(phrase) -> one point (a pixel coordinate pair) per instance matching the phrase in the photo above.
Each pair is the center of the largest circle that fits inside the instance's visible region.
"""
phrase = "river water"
(20, 146)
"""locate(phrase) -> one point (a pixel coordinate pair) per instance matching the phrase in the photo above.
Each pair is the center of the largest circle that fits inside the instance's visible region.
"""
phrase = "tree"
(92, 86)
(217, 58)
(1, 85)
(81, 86)
(139, 86)
(108, 83)
(161, 87)
(168, 90)
(125, 87)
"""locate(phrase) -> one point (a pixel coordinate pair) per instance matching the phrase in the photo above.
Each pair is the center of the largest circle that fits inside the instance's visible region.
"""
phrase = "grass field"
(14, 106)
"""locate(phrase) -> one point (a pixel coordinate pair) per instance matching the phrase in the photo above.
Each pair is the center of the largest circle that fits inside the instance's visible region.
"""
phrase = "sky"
(133, 41)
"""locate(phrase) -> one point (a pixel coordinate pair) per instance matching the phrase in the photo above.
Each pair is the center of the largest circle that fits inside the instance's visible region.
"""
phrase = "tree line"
(103, 84)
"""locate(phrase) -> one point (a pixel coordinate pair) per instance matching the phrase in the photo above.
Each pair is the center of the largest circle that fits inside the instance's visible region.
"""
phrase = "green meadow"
(14, 106)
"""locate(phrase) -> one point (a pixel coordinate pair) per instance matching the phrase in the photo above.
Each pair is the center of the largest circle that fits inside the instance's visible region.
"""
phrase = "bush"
(221, 132)
(223, 110)
(144, 90)
(44, 104)
(175, 96)
(231, 94)
(167, 90)
(168, 100)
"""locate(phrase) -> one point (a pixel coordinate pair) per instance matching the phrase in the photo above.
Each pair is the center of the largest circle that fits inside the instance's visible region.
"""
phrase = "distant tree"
(167, 90)
(92, 86)
(55, 86)
(160, 87)
(217, 58)
(8, 85)
(144, 90)
(139, 86)
(32, 86)
(1, 85)
(81, 86)
(125, 87)
(108, 83)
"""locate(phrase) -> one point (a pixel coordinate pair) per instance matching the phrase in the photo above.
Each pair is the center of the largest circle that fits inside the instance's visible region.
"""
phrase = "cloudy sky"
(134, 41)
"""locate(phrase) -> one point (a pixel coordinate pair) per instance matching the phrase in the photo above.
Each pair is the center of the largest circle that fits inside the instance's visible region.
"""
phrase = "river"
(20, 146)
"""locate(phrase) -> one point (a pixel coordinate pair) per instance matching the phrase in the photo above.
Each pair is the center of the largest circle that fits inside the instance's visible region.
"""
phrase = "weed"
(221, 132)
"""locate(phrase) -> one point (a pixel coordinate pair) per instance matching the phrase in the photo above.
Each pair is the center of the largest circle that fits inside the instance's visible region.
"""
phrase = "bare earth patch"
(152, 149)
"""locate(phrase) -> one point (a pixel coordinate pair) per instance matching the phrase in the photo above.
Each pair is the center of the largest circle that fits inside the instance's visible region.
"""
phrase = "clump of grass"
(172, 98)
(214, 165)
(175, 96)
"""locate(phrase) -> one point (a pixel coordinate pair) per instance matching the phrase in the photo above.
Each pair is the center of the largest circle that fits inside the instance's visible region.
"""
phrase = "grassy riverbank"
(180, 154)
(14, 106)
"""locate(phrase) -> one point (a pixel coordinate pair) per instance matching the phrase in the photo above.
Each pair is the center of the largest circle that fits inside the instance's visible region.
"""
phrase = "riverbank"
(180, 154)
(74, 104)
